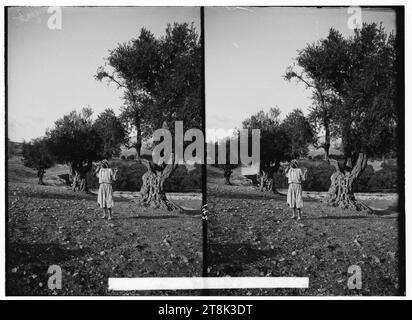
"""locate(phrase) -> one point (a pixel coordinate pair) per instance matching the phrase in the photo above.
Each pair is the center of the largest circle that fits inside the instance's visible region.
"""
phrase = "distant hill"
(14, 148)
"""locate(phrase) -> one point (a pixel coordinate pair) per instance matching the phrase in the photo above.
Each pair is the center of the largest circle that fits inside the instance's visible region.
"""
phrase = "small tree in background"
(112, 132)
(11, 148)
(78, 141)
(37, 155)
(275, 145)
(226, 166)
(300, 133)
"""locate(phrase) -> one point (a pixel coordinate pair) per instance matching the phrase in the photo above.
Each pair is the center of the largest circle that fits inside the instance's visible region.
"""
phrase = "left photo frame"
(94, 190)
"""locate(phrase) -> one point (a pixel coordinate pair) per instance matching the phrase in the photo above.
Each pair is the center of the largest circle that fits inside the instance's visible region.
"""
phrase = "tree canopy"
(354, 82)
(77, 140)
(160, 78)
(300, 133)
(111, 131)
(36, 154)
(318, 66)
(357, 75)
(73, 139)
(367, 116)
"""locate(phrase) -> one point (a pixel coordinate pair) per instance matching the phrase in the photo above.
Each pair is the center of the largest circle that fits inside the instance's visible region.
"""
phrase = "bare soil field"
(52, 225)
(251, 234)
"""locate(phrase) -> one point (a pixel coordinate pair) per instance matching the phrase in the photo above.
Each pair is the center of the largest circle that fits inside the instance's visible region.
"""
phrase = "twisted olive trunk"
(267, 180)
(78, 173)
(227, 173)
(340, 192)
(152, 191)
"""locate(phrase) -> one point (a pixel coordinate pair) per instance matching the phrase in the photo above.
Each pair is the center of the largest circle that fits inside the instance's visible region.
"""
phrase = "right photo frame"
(305, 162)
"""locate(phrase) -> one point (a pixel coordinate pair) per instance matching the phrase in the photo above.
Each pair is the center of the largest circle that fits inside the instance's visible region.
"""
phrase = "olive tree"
(160, 78)
(36, 155)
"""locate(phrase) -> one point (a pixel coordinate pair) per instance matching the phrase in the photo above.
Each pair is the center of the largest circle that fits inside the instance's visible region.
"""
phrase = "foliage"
(319, 172)
(317, 66)
(275, 143)
(160, 78)
(129, 177)
(354, 85)
(227, 166)
(184, 180)
(75, 138)
(12, 148)
(367, 113)
(37, 155)
(110, 129)
(300, 133)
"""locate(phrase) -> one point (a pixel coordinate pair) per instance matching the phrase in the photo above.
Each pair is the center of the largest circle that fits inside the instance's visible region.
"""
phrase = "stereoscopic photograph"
(87, 89)
(191, 151)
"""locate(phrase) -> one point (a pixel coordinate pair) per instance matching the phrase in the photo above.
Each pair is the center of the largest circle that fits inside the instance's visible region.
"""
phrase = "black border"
(400, 133)
(6, 147)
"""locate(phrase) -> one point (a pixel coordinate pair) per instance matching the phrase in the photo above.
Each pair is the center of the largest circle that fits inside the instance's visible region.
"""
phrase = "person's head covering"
(294, 163)
(105, 163)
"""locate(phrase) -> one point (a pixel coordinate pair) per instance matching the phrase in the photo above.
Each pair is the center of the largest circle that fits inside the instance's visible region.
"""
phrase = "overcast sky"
(50, 72)
(249, 49)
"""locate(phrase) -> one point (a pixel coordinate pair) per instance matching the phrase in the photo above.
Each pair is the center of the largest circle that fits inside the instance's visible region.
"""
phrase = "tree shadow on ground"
(68, 196)
(191, 212)
(255, 196)
(148, 217)
(238, 254)
(246, 196)
(385, 213)
(348, 217)
(40, 253)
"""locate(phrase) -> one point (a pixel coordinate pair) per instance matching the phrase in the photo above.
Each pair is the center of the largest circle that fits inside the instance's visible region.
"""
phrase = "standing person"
(105, 195)
(295, 177)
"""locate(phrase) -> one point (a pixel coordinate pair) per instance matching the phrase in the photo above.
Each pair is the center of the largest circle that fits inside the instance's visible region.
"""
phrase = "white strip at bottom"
(196, 283)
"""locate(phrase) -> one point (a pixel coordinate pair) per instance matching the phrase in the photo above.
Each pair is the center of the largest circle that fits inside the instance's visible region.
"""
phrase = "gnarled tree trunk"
(340, 192)
(40, 175)
(152, 190)
(78, 172)
(227, 173)
(267, 182)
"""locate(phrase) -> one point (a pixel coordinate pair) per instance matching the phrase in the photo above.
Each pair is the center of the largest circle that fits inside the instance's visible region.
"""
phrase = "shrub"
(361, 184)
(384, 179)
(184, 180)
(319, 157)
(319, 172)
(317, 177)
(129, 178)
